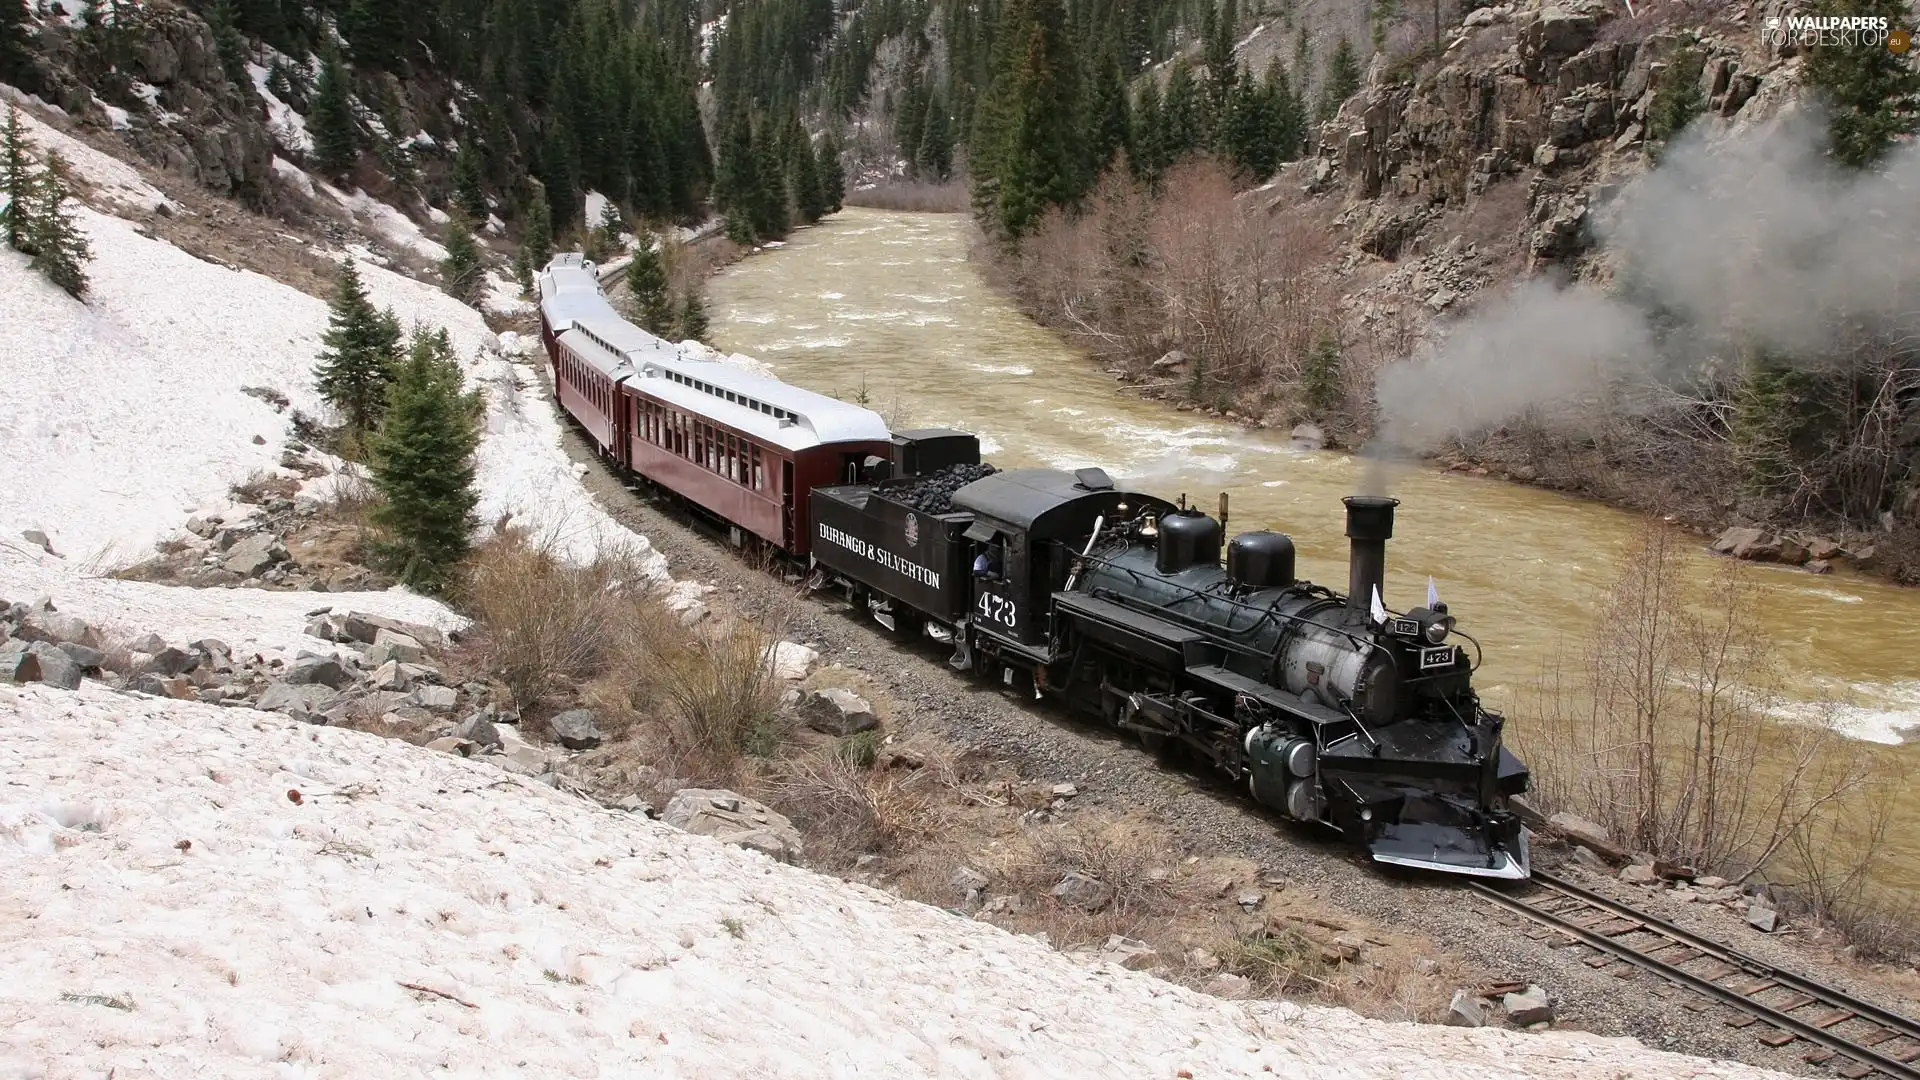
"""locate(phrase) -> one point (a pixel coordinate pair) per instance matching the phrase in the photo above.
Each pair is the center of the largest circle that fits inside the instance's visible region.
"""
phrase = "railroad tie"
(1879, 1036)
(1741, 1020)
(1854, 1070)
(1777, 1037)
(1819, 1055)
(1833, 1018)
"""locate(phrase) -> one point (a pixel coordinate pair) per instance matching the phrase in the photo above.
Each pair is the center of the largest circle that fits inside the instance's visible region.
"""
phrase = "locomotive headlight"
(1438, 629)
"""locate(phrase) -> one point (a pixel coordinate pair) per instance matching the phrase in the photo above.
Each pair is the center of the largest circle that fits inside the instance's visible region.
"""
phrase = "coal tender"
(1330, 707)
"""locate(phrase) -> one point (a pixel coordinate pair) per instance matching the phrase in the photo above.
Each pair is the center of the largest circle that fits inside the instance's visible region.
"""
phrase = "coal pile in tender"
(933, 492)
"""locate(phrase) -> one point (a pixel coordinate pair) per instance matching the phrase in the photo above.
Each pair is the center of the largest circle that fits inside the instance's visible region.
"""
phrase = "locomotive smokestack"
(1369, 527)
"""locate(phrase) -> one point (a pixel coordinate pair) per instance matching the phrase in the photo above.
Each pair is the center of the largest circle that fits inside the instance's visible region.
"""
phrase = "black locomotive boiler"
(1331, 708)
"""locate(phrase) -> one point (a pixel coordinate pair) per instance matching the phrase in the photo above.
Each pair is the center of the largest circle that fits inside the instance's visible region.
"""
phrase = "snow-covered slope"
(172, 908)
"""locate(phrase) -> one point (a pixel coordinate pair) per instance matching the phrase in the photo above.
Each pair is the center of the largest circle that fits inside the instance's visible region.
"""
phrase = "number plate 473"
(996, 609)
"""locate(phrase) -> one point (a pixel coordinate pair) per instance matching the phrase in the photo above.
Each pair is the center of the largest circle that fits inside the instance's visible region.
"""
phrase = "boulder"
(1308, 437)
(790, 661)
(1709, 881)
(967, 880)
(1126, 951)
(437, 698)
(390, 676)
(478, 728)
(254, 555)
(838, 712)
(151, 644)
(1230, 986)
(1465, 1010)
(38, 539)
(733, 818)
(1823, 549)
(576, 729)
(1171, 361)
(1743, 542)
(1791, 552)
(1550, 38)
(84, 655)
(451, 744)
(1763, 918)
(17, 665)
(1082, 891)
(173, 661)
(302, 701)
(1639, 874)
(1529, 1006)
(365, 629)
(1587, 834)
(393, 645)
(1584, 857)
(54, 628)
(56, 667)
(310, 668)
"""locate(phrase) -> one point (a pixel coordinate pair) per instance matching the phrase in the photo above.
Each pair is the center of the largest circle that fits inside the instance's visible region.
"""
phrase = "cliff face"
(1566, 98)
(157, 79)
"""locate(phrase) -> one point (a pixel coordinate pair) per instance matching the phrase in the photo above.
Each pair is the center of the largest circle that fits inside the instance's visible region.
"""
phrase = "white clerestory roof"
(770, 410)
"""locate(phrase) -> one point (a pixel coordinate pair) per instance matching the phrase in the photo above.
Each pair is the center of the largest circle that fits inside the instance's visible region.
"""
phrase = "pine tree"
(537, 241)
(1110, 120)
(376, 31)
(15, 60)
(463, 271)
(16, 184)
(1149, 134)
(803, 175)
(934, 158)
(362, 349)
(469, 194)
(331, 123)
(60, 249)
(647, 284)
(228, 42)
(1343, 81)
(1873, 94)
(1320, 375)
(768, 208)
(422, 464)
(1182, 130)
(1038, 158)
(523, 271)
(693, 317)
(606, 232)
(833, 176)
(1286, 122)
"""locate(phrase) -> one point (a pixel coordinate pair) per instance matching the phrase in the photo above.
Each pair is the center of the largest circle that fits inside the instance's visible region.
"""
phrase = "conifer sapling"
(422, 465)
(60, 249)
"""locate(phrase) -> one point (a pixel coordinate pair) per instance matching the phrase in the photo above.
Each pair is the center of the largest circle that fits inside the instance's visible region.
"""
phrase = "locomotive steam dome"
(1188, 538)
(1261, 560)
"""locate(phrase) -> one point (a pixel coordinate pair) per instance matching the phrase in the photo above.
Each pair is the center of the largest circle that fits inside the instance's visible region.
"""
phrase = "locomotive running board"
(1506, 865)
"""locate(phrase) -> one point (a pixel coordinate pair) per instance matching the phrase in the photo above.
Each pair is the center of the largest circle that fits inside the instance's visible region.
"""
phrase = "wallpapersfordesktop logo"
(1844, 31)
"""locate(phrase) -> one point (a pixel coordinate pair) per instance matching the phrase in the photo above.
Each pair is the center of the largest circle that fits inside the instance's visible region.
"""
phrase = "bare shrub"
(847, 808)
(719, 692)
(950, 197)
(1128, 855)
(539, 620)
(1666, 732)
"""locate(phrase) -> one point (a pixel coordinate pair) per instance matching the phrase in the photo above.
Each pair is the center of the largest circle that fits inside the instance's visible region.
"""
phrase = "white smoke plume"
(1756, 242)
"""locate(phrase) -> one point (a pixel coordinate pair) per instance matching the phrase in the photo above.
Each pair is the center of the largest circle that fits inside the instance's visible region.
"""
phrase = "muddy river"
(886, 307)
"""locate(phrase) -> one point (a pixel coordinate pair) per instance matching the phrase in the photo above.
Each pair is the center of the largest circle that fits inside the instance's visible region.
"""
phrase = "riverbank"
(1264, 309)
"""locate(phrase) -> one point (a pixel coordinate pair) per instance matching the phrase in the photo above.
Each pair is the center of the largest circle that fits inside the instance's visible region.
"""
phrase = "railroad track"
(1856, 1038)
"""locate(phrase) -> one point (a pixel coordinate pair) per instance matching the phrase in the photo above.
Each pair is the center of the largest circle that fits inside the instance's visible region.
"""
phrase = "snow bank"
(126, 414)
(396, 227)
(107, 178)
(415, 914)
(695, 350)
(250, 621)
(288, 126)
(524, 470)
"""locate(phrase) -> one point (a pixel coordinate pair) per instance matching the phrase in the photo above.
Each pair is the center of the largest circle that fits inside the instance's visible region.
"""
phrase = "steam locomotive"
(1116, 603)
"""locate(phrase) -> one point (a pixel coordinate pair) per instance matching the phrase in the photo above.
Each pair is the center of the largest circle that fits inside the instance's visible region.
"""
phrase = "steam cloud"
(1757, 242)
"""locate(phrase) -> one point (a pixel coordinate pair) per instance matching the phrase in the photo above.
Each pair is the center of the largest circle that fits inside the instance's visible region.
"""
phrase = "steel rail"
(1865, 1010)
(1866, 1055)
